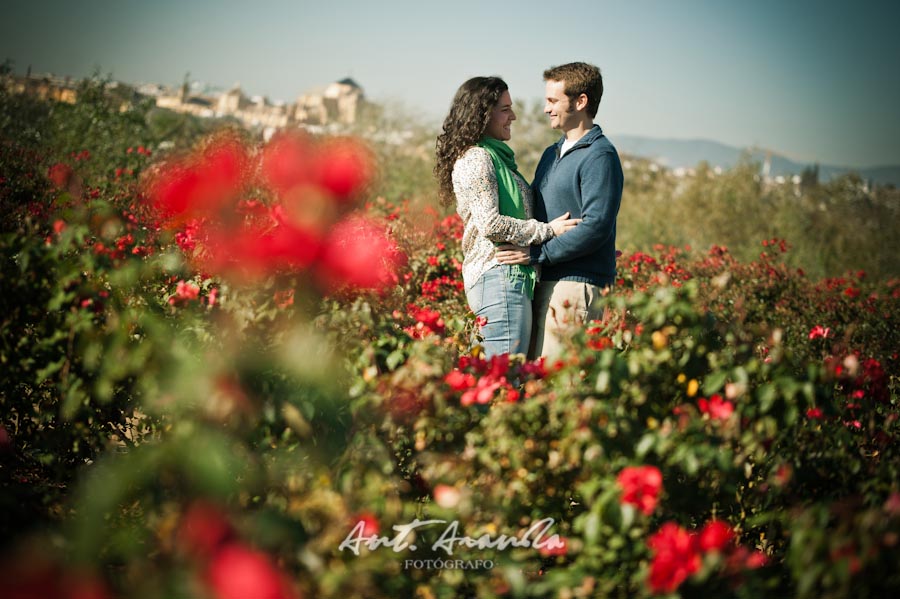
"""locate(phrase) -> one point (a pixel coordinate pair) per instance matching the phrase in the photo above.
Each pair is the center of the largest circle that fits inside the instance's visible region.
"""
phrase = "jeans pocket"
(475, 295)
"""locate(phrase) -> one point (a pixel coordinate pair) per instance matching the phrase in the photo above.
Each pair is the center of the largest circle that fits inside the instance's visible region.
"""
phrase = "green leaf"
(73, 400)
(395, 358)
(49, 370)
(592, 528)
(714, 382)
(647, 442)
(766, 395)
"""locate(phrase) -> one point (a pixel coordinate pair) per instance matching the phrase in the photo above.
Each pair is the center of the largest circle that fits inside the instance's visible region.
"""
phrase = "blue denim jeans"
(505, 304)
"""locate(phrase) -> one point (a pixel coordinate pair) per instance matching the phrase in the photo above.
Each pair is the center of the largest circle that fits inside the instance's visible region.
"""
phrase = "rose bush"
(225, 358)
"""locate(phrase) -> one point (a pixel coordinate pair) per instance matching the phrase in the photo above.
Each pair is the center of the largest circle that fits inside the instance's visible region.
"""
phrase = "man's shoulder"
(603, 150)
(602, 144)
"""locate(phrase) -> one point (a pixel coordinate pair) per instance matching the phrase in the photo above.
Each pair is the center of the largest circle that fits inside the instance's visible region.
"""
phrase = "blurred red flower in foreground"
(342, 167)
(675, 557)
(32, 576)
(201, 184)
(299, 221)
(715, 536)
(359, 253)
(371, 527)
(641, 486)
(286, 162)
(553, 547)
(256, 249)
(238, 572)
(483, 392)
(204, 528)
(345, 167)
(460, 381)
(677, 554)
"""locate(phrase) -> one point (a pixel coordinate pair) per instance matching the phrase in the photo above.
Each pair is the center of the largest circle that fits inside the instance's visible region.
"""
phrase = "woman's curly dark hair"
(464, 126)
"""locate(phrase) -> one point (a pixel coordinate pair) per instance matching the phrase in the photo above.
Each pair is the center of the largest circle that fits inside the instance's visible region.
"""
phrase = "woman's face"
(501, 118)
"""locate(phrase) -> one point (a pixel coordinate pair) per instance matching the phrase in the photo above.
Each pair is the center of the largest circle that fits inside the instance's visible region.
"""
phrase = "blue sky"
(814, 80)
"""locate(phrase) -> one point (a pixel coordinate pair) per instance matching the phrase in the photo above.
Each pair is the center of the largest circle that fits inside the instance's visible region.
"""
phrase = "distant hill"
(674, 153)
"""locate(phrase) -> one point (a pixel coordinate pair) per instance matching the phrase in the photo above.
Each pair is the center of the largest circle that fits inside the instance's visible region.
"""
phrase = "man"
(581, 174)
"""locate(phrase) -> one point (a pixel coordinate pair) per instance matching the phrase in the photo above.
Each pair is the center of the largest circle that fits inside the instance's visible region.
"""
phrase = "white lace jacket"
(477, 202)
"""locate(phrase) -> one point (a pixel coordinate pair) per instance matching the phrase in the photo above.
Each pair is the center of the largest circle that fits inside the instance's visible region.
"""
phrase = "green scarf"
(511, 201)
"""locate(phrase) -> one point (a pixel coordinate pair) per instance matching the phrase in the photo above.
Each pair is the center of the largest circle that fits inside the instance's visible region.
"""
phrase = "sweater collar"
(593, 134)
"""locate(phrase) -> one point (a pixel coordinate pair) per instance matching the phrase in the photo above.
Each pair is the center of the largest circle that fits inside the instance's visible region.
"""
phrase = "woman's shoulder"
(474, 160)
(475, 154)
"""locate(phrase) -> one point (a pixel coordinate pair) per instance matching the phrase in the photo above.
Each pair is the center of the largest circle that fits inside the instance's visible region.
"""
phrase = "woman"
(478, 169)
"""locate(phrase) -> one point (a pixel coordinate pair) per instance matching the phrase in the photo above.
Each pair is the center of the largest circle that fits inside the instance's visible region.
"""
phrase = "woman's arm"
(475, 187)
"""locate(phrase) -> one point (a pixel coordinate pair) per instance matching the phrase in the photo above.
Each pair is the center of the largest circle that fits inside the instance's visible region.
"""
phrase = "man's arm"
(601, 194)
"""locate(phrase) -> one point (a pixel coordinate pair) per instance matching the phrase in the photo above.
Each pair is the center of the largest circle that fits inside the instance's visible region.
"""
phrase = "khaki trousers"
(560, 309)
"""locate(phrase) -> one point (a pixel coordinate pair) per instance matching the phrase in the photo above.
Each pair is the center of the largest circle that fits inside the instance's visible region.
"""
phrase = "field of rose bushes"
(231, 370)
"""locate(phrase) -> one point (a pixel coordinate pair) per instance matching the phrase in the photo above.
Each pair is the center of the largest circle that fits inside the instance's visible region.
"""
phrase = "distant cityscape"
(338, 103)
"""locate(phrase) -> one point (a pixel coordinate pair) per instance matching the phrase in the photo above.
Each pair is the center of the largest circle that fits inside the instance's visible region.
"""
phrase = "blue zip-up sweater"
(586, 182)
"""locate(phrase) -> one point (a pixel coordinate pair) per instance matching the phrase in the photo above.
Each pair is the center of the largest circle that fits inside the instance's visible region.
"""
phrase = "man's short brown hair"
(579, 78)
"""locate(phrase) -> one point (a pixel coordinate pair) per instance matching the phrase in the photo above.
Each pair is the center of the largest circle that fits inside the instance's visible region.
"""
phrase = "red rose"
(371, 527)
(204, 528)
(554, 546)
(715, 536)
(201, 184)
(359, 253)
(60, 174)
(819, 332)
(286, 162)
(814, 413)
(459, 381)
(345, 167)
(757, 559)
(483, 392)
(675, 557)
(238, 572)
(716, 407)
(641, 486)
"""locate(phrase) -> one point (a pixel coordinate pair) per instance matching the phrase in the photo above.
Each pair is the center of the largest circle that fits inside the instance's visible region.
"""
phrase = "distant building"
(255, 112)
(231, 101)
(185, 102)
(43, 87)
(51, 87)
(338, 103)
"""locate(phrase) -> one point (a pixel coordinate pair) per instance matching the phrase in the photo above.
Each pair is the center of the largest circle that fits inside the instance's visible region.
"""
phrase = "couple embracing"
(535, 257)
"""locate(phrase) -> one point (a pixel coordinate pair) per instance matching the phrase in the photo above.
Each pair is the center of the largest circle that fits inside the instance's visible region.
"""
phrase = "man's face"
(558, 106)
(501, 118)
